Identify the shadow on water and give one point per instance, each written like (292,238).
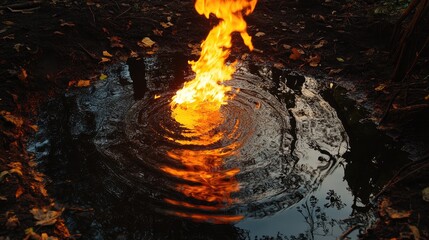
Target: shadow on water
(306,165)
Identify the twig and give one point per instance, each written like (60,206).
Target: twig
(416,58)
(92,13)
(348,231)
(395,179)
(122,13)
(21,5)
(386,112)
(27,10)
(87,52)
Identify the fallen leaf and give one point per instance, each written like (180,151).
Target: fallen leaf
(157,32)
(19,192)
(370,52)
(83,83)
(22,74)
(8,23)
(67,24)
(340,59)
(34,127)
(107,54)
(415,232)
(279,65)
(103,77)
(166,25)
(12,222)
(45,217)
(18,46)
(45,236)
(322,43)
(3,198)
(9,37)
(334,71)
(380,87)
(58,33)
(396,214)
(286,46)
(314,60)
(104,59)
(16,121)
(146,42)
(259,34)
(133,54)
(295,55)
(425,194)
(115,41)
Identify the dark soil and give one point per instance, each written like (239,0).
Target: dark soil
(46,47)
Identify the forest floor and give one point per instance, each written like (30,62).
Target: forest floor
(49,46)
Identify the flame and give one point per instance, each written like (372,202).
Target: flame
(194,104)
(197,108)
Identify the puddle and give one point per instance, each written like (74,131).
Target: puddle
(289,158)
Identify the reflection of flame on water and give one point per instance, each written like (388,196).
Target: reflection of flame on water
(197,108)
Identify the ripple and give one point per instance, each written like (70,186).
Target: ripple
(260,157)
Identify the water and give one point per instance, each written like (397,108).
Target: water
(281,161)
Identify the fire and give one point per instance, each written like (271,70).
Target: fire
(193,106)
(197,108)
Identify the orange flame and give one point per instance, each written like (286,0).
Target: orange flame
(197,108)
(205,94)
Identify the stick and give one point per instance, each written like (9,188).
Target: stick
(122,13)
(386,112)
(87,52)
(21,5)
(347,232)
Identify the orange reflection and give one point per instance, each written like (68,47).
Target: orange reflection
(207,182)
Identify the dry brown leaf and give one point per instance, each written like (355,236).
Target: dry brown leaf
(22,74)
(396,214)
(166,25)
(322,43)
(146,42)
(18,46)
(104,59)
(133,54)
(115,41)
(157,32)
(8,23)
(335,71)
(279,65)
(415,232)
(12,222)
(259,34)
(45,217)
(107,54)
(370,52)
(295,55)
(83,83)
(286,46)
(16,121)
(380,87)
(34,127)
(67,24)
(19,192)
(425,194)
(314,60)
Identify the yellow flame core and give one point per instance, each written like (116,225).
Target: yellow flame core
(197,104)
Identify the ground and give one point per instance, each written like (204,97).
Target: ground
(50,46)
